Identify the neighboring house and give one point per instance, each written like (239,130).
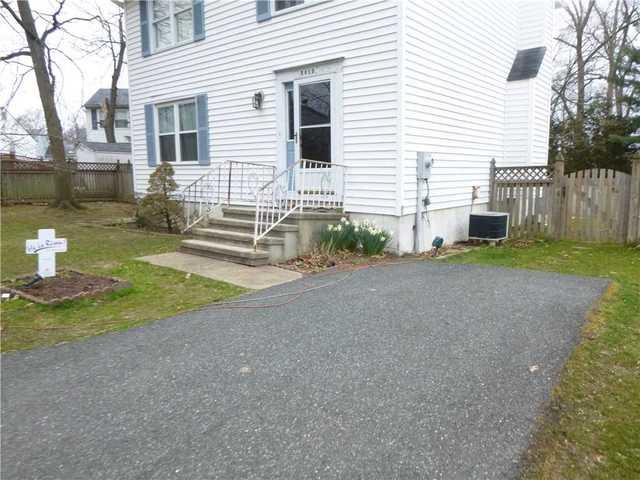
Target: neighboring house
(101,152)
(94,116)
(70,151)
(367,84)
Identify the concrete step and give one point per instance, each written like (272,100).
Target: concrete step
(247,226)
(230,237)
(220,251)
(249,213)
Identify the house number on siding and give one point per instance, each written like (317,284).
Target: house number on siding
(307,71)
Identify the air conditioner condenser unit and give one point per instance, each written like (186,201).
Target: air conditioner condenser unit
(493,226)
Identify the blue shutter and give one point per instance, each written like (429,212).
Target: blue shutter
(263,10)
(198,20)
(151,137)
(203,129)
(145,28)
(94,119)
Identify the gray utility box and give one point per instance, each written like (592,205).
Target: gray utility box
(488,226)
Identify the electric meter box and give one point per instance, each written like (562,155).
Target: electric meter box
(425,162)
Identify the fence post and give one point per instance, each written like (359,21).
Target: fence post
(128,182)
(633,228)
(492,184)
(116,177)
(557,196)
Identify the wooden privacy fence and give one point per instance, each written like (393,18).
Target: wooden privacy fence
(34,181)
(596,205)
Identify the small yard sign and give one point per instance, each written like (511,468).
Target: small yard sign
(46,246)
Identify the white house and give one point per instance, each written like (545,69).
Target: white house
(96,149)
(94,116)
(102,152)
(360,85)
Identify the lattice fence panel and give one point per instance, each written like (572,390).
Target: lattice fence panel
(525,174)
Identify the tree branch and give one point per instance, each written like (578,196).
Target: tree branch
(20,53)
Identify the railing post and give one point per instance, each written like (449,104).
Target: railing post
(229,185)
(492,184)
(633,226)
(255,224)
(302,185)
(219,181)
(557,208)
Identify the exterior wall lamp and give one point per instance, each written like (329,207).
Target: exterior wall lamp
(257,100)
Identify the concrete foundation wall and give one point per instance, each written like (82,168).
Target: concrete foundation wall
(452,224)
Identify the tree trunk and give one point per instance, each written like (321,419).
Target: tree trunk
(109,121)
(580,91)
(63,169)
(118,61)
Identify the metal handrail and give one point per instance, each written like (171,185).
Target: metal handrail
(294,189)
(209,191)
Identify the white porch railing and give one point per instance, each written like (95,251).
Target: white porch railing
(227,183)
(305,184)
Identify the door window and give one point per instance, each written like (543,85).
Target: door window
(315,122)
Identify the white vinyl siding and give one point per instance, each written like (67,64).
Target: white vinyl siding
(528,101)
(457,58)
(416,75)
(239,56)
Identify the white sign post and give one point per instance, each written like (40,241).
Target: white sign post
(46,246)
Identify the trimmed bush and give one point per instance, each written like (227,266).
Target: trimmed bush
(158,210)
(354,236)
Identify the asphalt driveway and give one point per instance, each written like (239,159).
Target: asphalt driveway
(420,370)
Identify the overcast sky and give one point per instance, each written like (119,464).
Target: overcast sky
(79,78)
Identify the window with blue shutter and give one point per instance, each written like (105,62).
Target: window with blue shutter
(168,24)
(202,105)
(181,134)
(149,115)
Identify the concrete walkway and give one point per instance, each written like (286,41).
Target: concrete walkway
(255,278)
(414,371)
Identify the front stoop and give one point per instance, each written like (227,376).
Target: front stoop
(230,237)
(231,253)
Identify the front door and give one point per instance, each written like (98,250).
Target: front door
(311,126)
(312,122)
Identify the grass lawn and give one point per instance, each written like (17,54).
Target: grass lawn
(592,429)
(155,293)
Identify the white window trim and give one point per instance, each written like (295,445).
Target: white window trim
(285,11)
(176,130)
(172,23)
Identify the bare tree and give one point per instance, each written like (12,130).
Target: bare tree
(614,32)
(580,15)
(42,62)
(32,121)
(115,41)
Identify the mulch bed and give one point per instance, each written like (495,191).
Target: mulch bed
(318,261)
(67,285)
